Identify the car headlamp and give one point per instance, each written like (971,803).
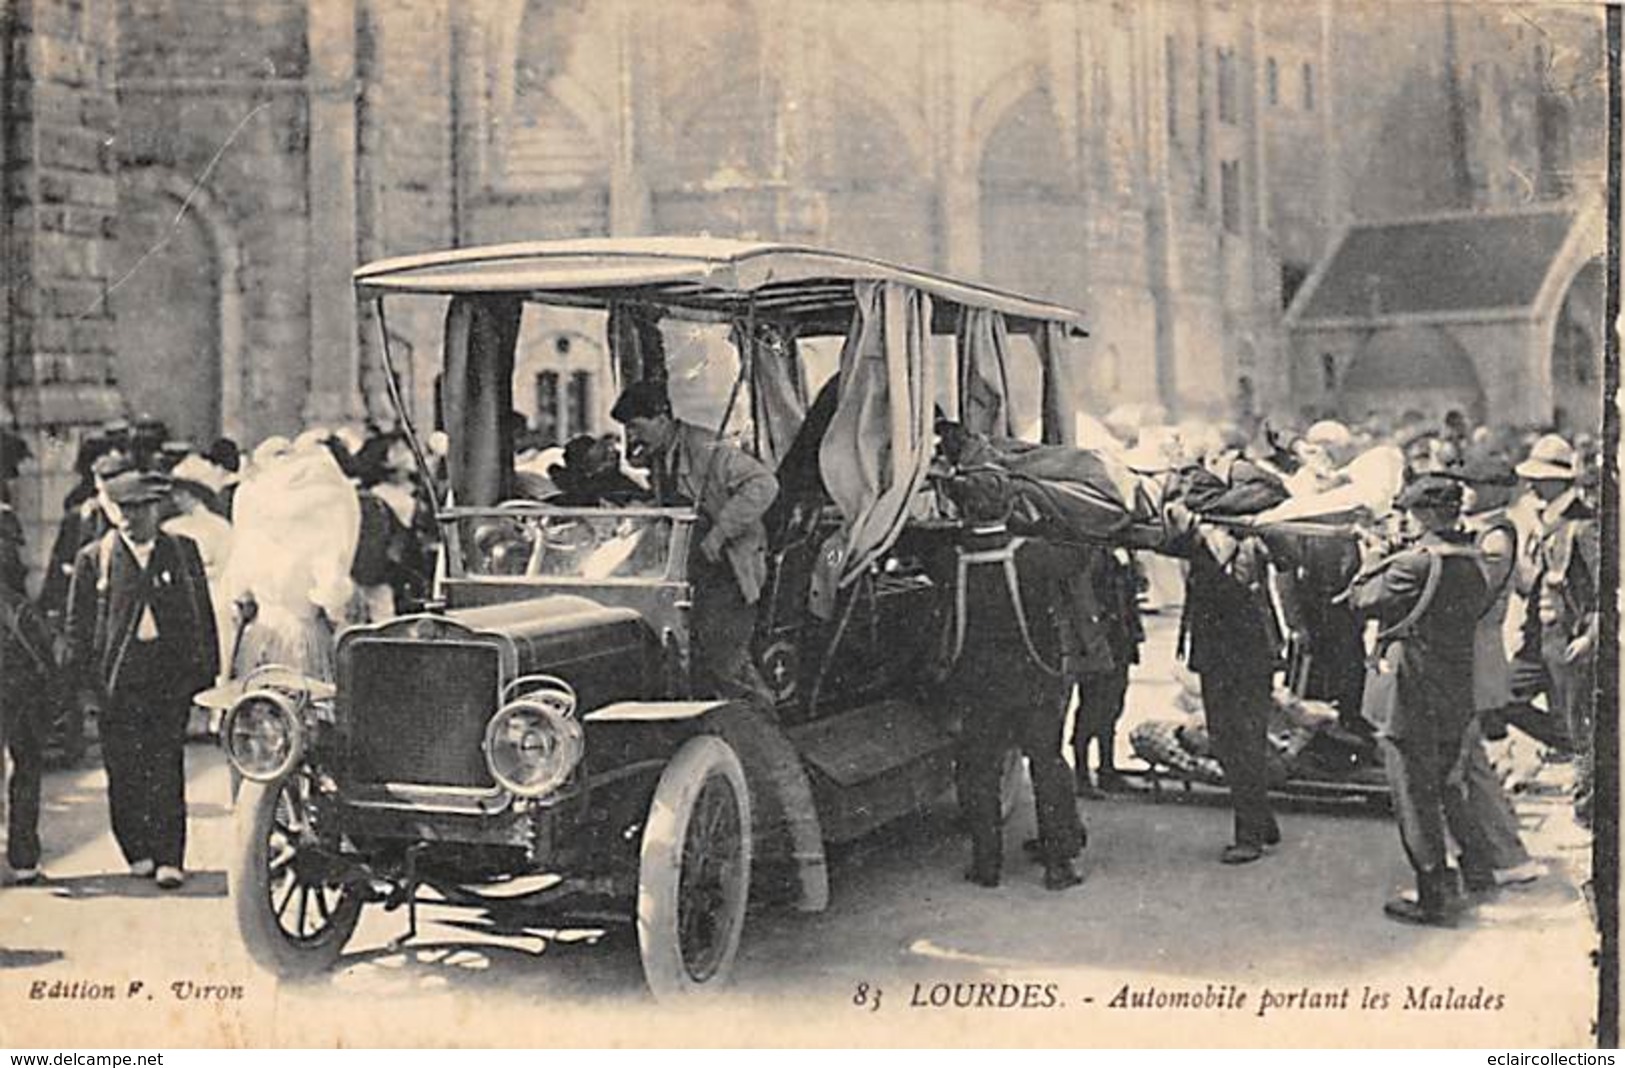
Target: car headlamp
(534,742)
(263,734)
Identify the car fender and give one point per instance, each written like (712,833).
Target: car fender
(789,838)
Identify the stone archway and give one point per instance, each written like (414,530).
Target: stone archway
(178,303)
(1033,228)
(1575,353)
(1411,368)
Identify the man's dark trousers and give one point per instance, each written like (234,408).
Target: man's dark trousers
(25,740)
(1430,797)
(143,732)
(1101,695)
(1236,700)
(1035,726)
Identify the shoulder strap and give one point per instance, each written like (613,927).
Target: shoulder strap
(1429,588)
(1507,527)
(1005,557)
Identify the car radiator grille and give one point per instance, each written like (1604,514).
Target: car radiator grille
(416,711)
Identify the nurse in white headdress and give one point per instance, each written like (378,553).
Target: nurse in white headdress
(297,520)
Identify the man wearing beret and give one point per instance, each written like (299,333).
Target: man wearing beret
(1427,598)
(732,492)
(141,641)
(1559,575)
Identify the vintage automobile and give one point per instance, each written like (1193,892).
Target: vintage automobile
(534,747)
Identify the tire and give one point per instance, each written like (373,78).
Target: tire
(274,912)
(694,871)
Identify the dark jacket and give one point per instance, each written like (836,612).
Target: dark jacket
(1564,593)
(994,655)
(1230,621)
(1105,611)
(105,601)
(1434,656)
(27,666)
(1230,617)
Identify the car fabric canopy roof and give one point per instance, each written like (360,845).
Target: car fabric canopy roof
(709,275)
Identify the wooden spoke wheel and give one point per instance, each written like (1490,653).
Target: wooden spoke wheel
(294,909)
(694,871)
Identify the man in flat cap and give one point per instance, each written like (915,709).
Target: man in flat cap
(141,642)
(1231,636)
(1426,598)
(732,492)
(1559,575)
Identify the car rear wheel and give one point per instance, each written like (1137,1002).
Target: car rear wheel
(294,909)
(694,871)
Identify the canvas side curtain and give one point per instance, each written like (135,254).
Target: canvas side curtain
(875,453)
(1060,398)
(779,391)
(477,395)
(634,339)
(984,390)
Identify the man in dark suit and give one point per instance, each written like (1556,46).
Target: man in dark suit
(27,678)
(141,636)
(1427,598)
(1231,636)
(27,686)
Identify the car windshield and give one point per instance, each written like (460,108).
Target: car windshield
(588,545)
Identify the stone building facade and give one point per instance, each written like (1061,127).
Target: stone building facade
(190,182)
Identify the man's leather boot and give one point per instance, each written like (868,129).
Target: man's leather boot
(1437,902)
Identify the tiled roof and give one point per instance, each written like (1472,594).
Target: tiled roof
(1453,264)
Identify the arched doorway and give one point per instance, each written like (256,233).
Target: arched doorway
(1576,356)
(1033,225)
(1416,368)
(170,307)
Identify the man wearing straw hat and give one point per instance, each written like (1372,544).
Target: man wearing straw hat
(1559,576)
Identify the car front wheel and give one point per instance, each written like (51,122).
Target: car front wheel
(294,910)
(694,870)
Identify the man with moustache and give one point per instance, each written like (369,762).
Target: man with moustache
(732,492)
(141,641)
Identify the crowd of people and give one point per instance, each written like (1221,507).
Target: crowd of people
(1472,550)
(1474,555)
(175,567)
